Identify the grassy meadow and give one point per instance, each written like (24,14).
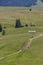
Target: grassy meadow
(14,38)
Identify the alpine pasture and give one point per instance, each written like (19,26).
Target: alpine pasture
(14,38)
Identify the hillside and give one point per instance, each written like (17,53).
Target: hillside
(14,38)
(26,3)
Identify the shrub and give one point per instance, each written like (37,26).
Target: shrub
(4,27)
(32,25)
(26,25)
(30,9)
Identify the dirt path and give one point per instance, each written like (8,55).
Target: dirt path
(23,47)
(10,55)
(35,38)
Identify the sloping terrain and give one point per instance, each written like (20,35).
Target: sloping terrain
(17,2)
(15,37)
(26,3)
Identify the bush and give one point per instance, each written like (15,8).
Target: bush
(32,25)
(26,25)
(4,27)
(0,28)
(30,9)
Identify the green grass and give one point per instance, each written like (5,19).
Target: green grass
(14,38)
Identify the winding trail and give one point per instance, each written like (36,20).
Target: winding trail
(11,54)
(35,38)
(21,49)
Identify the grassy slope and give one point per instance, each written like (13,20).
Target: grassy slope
(14,38)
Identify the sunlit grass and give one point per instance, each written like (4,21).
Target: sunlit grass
(15,37)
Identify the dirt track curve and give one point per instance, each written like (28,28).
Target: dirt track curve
(23,48)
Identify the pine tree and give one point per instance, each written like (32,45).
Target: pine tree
(0,28)
(18,23)
(3,32)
